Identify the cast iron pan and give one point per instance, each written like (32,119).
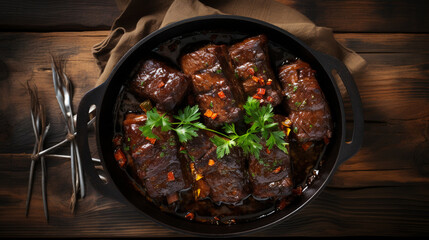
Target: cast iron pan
(104,97)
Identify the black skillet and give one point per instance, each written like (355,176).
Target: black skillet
(105,97)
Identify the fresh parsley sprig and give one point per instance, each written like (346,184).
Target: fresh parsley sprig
(262,124)
(186,128)
(260,119)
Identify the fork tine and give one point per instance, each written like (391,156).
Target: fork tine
(30,187)
(44,196)
(43,163)
(32,91)
(67,89)
(59,91)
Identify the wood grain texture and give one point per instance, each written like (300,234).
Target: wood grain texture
(51,15)
(381,191)
(380,16)
(392,16)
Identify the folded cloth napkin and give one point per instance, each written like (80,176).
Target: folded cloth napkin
(141,17)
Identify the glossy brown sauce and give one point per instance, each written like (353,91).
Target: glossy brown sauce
(304,163)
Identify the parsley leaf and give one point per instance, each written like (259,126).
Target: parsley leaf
(276,138)
(156,120)
(186,132)
(249,142)
(223,145)
(147,131)
(189,114)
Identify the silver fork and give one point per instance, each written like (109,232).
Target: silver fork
(63,90)
(38,120)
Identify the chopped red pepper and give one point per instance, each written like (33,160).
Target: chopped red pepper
(269,99)
(268,151)
(256,96)
(170,176)
(151,140)
(256,79)
(269,81)
(261,91)
(214,116)
(190,216)
(221,94)
(261,81)
(161,84)
(120,157)
(181,148)
(211,162)
(208,113)
(277,169)
(251,71)
(117,141)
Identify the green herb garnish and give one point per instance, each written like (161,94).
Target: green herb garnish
(295,88)
(260,119)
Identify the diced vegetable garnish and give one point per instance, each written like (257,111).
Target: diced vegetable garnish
(208,113)
(151,140)
(170,176)
(211,162)
(120,157)
(221,94)
(277,170)
(190,216)
(251,71)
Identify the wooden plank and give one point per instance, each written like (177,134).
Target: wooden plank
(26,56)
(379,16)
(394,86)
(48,15)
(395,16)
(385,42)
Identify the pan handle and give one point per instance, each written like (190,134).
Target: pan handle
(92,97)
(349,148)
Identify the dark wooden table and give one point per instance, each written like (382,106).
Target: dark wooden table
(381,191)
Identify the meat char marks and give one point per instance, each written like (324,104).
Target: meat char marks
(304,100)
(160,83)
(253,68)
(155,161)
(214,84)
(271,175)
(223,180)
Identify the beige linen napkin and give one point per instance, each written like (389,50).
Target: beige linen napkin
(141,17)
